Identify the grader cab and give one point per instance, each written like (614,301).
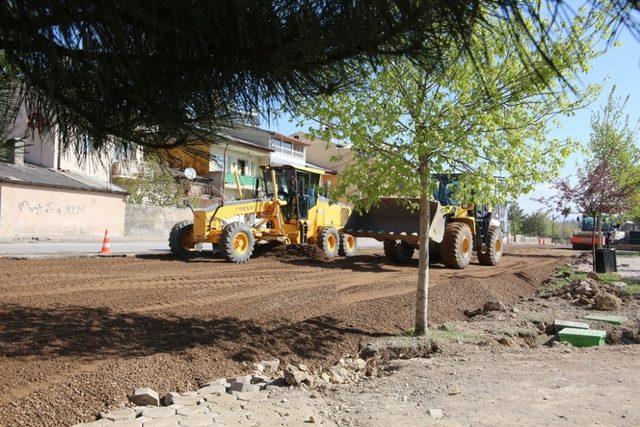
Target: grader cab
(287,207)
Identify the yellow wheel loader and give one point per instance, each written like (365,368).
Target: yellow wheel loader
(286,207)
(455,230)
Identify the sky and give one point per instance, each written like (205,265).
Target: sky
(620,66)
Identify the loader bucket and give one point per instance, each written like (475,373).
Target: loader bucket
(393,219)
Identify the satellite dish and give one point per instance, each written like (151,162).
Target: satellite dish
(190,173)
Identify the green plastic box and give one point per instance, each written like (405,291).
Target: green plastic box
(616,320)
(582,337)
(562,324)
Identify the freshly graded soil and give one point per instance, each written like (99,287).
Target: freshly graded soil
(76,335)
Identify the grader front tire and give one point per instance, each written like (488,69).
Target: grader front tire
(457,246)
(237,242)
(181,240)
(348,245)
(329,241)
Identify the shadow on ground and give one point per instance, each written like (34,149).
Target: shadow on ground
(100,333)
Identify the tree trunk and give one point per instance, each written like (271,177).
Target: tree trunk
(423,252)
(593,245)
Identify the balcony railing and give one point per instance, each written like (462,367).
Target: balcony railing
(288,151)
(245,180)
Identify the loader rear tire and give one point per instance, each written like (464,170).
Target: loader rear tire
(348,245)
(329,241)
(398,252)
(181,240)
(237,242)
(495,246)
(457,245)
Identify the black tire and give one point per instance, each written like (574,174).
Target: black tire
(457,245)
(495,246)
(329,241)
(348,244)
(398,253)
(390,250)
(180,240)
(237,242)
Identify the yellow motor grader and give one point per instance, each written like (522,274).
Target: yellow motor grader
(286,207)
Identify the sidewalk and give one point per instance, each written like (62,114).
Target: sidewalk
(87,246)
(51,249)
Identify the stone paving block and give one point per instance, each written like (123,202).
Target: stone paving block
(159,412)
(243,379)
(126,423)
(168,398)
(213,389)
(119,414)
(231,418)
(188,400)
(238,386)
(145,396)
(163,422)
(219,381)
(197,420)
(250,396)
(98,423)
(192,410)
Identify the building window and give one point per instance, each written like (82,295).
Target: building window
(242,167)
(218,162)
(288,148)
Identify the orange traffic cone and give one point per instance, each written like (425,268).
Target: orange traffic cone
(106,244)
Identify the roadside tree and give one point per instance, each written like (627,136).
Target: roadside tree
(485,112)
(596,194)
(536,224)
(155,72)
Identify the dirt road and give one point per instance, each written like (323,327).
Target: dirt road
(77,334)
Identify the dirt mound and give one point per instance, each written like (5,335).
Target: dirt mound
(592,293)
(288,252)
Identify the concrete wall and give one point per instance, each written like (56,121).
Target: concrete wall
(153,221)
(33,211)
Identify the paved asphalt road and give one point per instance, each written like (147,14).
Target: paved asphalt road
(84,248)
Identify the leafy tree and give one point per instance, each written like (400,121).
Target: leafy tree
(516,216)
(536,224)
(484,113)
(614,138)
(154,72)
(597,193)
(9,110)
(155,185)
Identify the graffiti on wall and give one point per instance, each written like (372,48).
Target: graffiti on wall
(50,208)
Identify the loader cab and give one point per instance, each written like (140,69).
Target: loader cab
(297,187)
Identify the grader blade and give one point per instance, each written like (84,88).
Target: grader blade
(395,219)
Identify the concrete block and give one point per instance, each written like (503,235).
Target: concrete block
(213,389)
(197,420)
(243,387)
(250,396)
(242,379)
(160,412)
(126,423)
(231,418)
(119,414)
(145,396)
(559,325)
(168,398)
(164,422)
(188,400)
